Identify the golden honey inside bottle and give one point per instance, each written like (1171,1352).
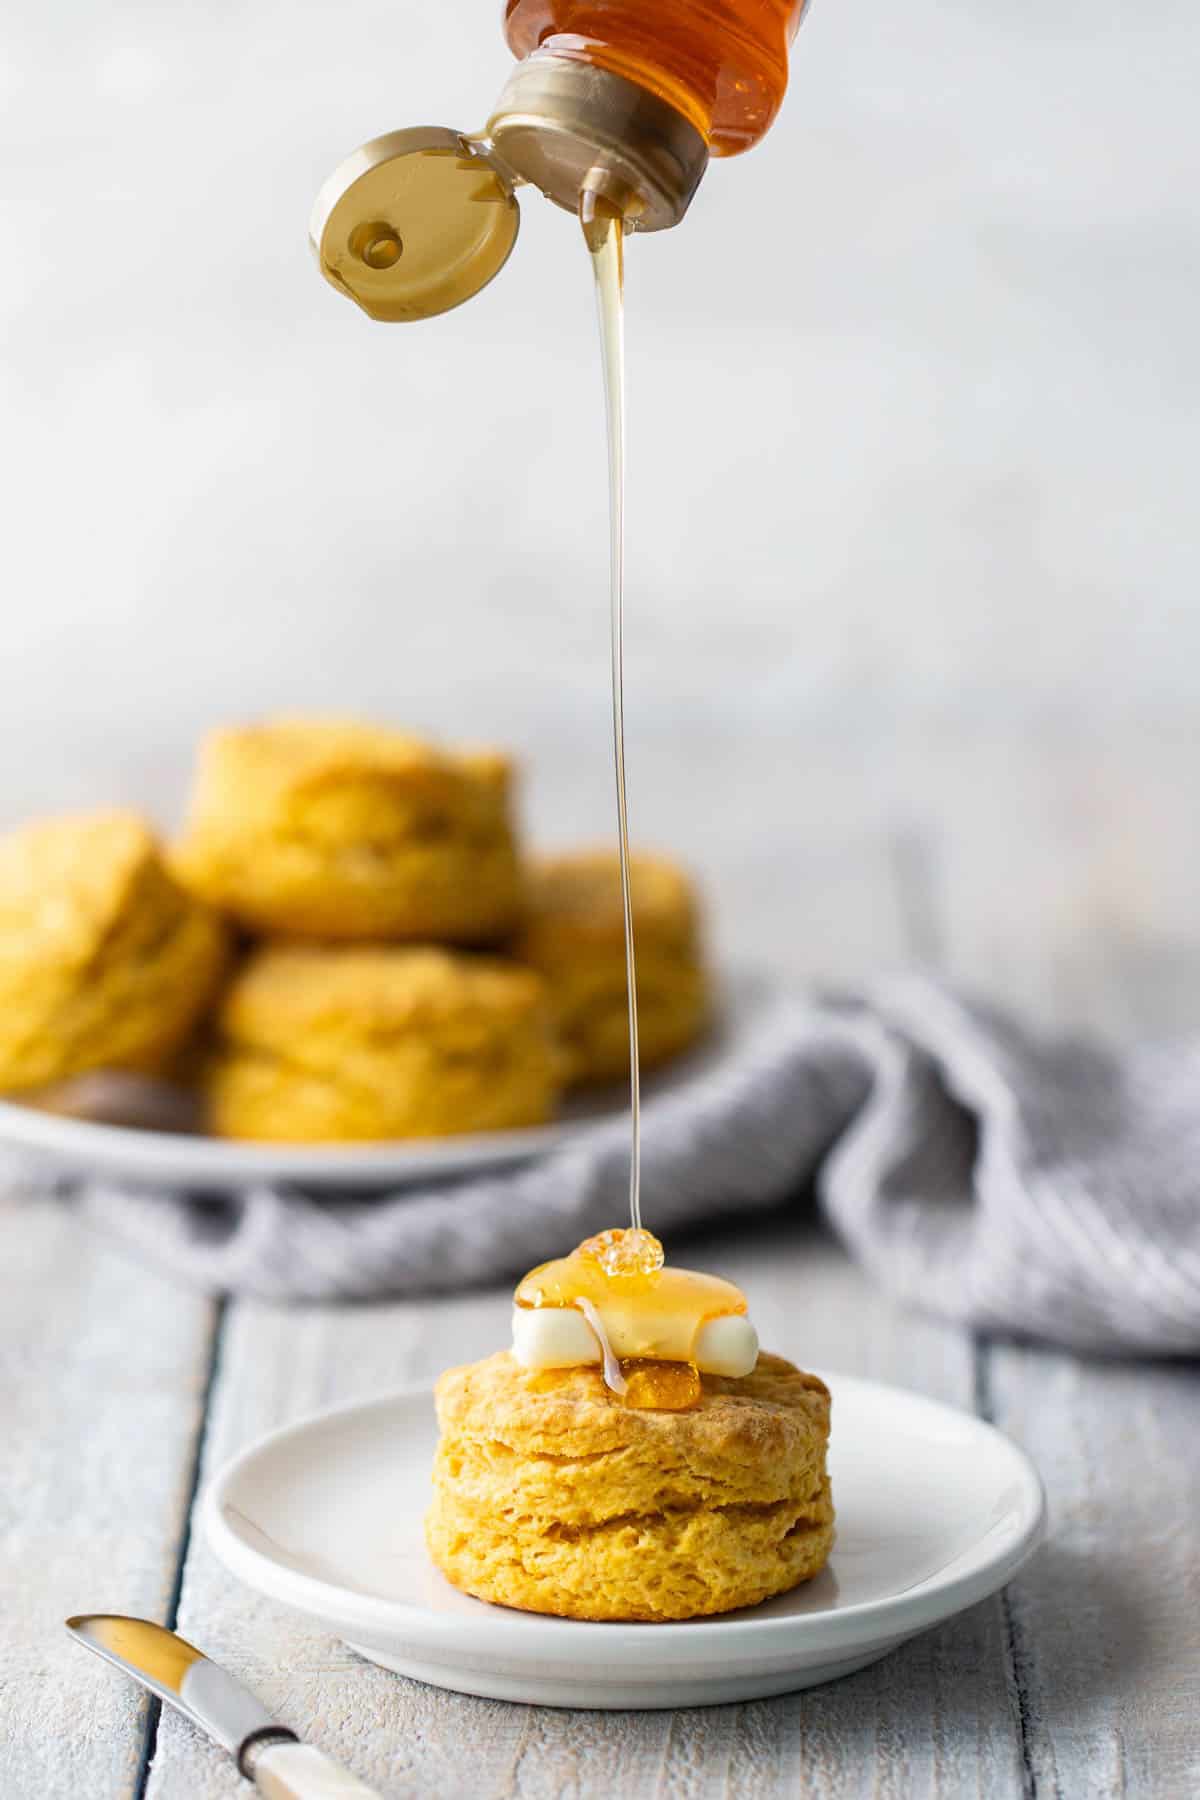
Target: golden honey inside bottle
(722,64)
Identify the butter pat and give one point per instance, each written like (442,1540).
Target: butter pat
(559,1337)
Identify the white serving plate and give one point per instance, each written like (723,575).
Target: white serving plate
(103,1148)
(180,1159)
(935,1510)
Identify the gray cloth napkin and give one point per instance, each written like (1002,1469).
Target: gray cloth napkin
(1049,1189)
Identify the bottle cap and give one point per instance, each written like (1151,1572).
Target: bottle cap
(414,223)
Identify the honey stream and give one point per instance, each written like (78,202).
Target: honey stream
(604,234)
(618,1275)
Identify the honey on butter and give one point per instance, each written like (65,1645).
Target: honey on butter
(653,1329)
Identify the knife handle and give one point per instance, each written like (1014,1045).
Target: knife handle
(300,1772)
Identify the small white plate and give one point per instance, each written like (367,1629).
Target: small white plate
(113,1143)
(934,1510)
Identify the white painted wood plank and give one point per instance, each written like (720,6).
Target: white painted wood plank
(1093,923)
(1106,1622)
(102,1372)
(934,1719)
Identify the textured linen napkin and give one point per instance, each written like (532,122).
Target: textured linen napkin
(1049,1189)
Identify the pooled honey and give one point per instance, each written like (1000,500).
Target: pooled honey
(653,1312)
(624,1272)
(660,1386)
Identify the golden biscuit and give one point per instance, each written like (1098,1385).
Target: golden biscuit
(325,828)
(553,1496)
(321,1043)
(575,935)
(105,962)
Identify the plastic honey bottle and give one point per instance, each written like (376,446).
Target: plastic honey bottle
(627,99)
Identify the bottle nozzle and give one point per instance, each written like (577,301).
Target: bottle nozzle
(564,125)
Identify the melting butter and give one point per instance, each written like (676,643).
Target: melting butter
(617,1298)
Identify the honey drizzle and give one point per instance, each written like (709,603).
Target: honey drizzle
(604,1279)
(614,1375)
(604,233)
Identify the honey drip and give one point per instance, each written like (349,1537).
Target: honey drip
(660,1386)
(624,1254)
(604,233)
(638,1287)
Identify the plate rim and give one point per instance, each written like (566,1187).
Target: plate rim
(938,1596)
(141,1154)
(74,1148)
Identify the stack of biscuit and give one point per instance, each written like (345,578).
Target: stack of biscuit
(345,944)
(550,1497)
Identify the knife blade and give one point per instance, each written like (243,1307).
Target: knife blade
(269,1754)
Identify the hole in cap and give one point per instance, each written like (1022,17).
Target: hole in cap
(377,245)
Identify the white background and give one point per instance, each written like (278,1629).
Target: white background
(913,415)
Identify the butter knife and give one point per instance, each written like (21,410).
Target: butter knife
(269,1755)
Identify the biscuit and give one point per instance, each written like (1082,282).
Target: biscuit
(105,962)
(552,1496)
(323,1043)
(574,934)
(325,828)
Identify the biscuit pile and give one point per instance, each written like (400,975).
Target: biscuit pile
(345,943)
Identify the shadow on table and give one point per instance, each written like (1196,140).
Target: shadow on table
(1002,1664)
(984,1691)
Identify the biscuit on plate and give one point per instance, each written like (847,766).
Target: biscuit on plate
(574,933)
(553,1496)
(105,962)
(331,829)
(319,1043)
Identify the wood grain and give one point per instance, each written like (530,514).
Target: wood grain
(1105,1624)
(102,1376)
(1103,1629)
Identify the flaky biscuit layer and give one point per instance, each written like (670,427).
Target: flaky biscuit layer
(552,1496)
(328,1043)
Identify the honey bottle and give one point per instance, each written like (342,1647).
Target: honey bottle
(720,64)
(627,99)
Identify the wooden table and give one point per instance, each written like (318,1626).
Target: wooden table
(1060,874)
